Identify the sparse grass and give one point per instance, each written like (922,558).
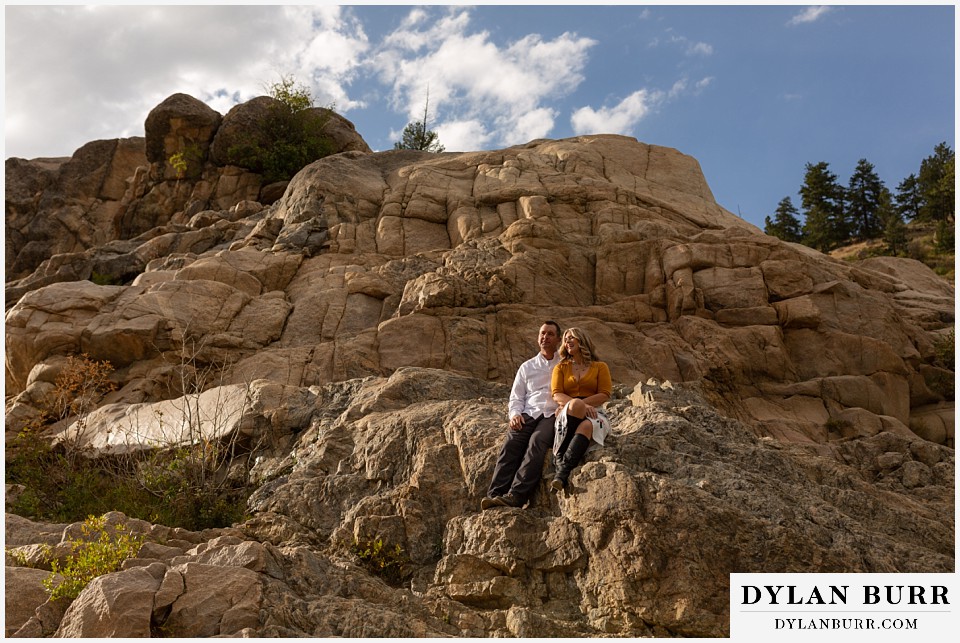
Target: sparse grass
(924,244)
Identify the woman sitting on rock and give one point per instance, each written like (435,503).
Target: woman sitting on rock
(580,384)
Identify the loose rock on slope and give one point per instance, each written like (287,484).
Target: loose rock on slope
(624,552)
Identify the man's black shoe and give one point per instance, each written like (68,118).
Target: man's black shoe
(508,500)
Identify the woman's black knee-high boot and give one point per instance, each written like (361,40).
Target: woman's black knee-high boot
(571,458)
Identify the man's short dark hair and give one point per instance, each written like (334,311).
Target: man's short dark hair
(550,322)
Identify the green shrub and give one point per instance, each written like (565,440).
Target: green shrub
(385,561)
(288,138)
(188,162)
(19,557)
(179,164)
(944,350)
(63,489)
(188,485)
(183,487)
(837,425)
(100,550)
(103,279)
(54,477)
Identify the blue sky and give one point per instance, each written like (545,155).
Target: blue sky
(752,92)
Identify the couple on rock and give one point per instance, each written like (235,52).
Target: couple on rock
(555,399)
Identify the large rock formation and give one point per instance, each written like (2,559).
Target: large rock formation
(179,124)
(371,262)
(61,206)
(63,214)
(365,327)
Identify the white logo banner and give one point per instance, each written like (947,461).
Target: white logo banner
(843,607)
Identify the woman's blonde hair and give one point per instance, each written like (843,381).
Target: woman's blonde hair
(587,351)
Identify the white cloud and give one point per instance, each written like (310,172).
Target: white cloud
(678,88)
(76,74)
(619,119)
(532,125)
(464,136)
(690,47)
(473,80)
(700,49)
(809,14)
(628,113)
(702,84)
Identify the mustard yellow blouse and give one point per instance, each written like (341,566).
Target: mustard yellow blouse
(595,380)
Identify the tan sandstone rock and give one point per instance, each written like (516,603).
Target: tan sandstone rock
(67,206)
(181,124)
(114,605)
(658,270)
(23,594)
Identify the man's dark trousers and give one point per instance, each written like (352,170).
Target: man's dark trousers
(520,462)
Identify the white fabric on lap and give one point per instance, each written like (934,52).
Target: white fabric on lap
(601,427)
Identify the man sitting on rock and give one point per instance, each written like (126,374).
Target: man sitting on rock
(531,411)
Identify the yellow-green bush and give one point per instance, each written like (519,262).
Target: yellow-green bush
(386,561)
(101,549)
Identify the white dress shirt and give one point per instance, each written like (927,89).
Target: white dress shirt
(531,387)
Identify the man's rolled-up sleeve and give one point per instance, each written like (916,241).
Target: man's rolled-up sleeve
(518,394)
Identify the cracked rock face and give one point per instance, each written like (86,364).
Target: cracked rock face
(373,262)
(367,325)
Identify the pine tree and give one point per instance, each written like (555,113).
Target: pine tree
(944,237)
(936,185)
(948,189)
(863,201)
(785,224)
(894,229)
(416,135)
(822,198)
(908,199)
